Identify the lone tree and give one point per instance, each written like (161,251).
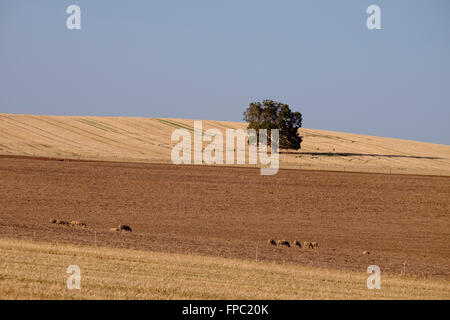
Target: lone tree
(275,115)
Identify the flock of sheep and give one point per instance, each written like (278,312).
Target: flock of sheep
(121,227)
(67,223)
(124,227)
(285,243)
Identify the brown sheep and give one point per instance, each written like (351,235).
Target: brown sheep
(52,221)
(308,244)
(124,227)
(284,243)
(297,243)
(314,244)
(272,242)
(78,224)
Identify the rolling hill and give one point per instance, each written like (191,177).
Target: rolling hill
(148,140)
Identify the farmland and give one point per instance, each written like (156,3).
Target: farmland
(228,212)
(198,230)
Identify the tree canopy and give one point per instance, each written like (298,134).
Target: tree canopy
(275,115)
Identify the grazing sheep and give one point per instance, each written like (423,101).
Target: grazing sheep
(62,222)
(124,227)
(283,243)
(297,243)
(366,252)
(311,245)
(78,224)
(272,242)
(114,229)
(52,221)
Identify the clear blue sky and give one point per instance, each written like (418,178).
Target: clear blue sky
(209,59)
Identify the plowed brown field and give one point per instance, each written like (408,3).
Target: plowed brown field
(228,212)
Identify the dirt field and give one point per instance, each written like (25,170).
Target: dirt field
(228,212)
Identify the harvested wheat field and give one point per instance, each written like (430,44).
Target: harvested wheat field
(32,270)
(149,140)
(228,212)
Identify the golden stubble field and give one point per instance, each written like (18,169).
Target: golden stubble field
(148,140)
(32,270)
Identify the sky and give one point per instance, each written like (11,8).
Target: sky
(209,59)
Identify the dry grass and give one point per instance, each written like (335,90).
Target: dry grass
(148,140)
(38,271)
